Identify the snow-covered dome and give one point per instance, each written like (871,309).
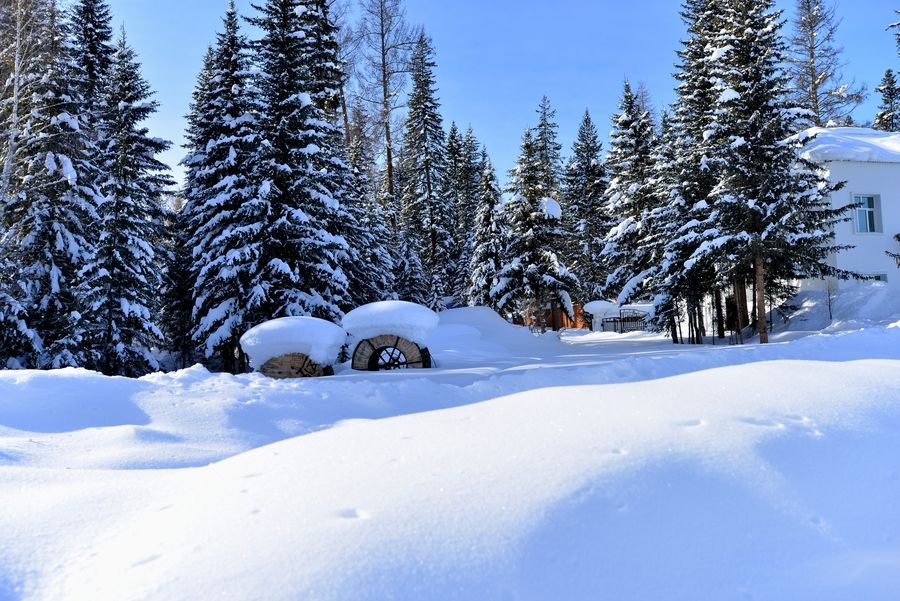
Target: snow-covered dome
(601,308)
(318,339)
(407,320)
(857,144)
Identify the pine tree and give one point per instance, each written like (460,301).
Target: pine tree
(773,209)
(464,166)
(93,51)
(427,214)
(629,201)
(121,282)
(888,117)
(50,207)
(410,281)
(532,277)
(814,64)
(176,308)
(548,149)
(583,213)
(225,217)
(487,242)
(370,273)
(687,167)
(299,255)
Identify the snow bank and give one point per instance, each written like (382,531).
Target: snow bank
(857,144)
(318,339)
(408,320)
(601,308)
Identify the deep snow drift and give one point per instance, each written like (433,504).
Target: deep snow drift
(592,467)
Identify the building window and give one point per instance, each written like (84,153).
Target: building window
(880,277)
(868,214)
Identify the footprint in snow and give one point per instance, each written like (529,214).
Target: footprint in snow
(764,423)
(619,452)
(692,423)
(355,514)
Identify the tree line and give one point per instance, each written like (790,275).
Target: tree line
(315,183)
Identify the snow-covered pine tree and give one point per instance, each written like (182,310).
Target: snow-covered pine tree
(122,281)
(487,242)
(177,298)
(410,281)
(533,279)
(888,117)
(773,209)
(815,63)
(464,167)
(427,213)
(548,149)
(686,171)
(629,201)
(93,53)
(225,216)
(583,215)
(371,272)
(50,208)
(299,263)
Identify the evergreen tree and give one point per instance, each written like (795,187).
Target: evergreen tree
(300,259)
(586,221)
(548,149)
(814,64)
(427,214)
(225,219)
(533,278)
(50,206)
(773,209)
(176,308)
(121,282)
(93,53)
(370,273)
(888,117)
(410,281)
(629,201)
(464,166)
(487,242)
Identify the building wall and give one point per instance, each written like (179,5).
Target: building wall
(868,257)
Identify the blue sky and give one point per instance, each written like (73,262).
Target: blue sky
(497,58)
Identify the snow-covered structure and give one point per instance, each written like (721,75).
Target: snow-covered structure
(294,346)
(869,162)
(390,335)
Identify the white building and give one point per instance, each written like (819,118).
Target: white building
(869,162)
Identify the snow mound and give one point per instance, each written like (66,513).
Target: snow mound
(409,320)
(318,339)
(857,144)
(601,308)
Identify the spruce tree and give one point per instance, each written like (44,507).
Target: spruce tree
(300,259)
(773,210)
(548,149)
(177,298)
(888,117)
(225,218)
(629,201)
(427,214)
(487,242)
(93,52)
(410,281)
(533,278)
(122,280)
(583,213)
(51,205)
(464,166)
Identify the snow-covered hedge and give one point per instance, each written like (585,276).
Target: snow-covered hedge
(407,320)
(318,339)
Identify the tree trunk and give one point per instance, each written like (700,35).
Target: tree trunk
(673,328)
(740,297)
(760,269)
(720,314)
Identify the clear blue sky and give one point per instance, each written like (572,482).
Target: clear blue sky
(496,58)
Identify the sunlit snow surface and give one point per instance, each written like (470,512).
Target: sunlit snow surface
(591,467)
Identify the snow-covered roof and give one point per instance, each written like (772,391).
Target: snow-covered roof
(855,144)
(400,318)
(318,339)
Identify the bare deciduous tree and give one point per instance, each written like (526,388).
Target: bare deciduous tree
(815,64)
(386,41)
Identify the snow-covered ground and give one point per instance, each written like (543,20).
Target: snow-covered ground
(594,466)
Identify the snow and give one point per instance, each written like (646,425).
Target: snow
(551,208)
(598,466)
(601,308)
(856,144)
(408,320)
(318,339)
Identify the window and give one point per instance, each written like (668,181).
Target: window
(868,214)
